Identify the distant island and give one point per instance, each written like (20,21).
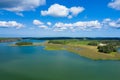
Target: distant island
(9,39)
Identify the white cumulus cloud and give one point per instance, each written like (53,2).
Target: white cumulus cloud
(87,24)
(115,24)
(37,22)
(49,23)
(18,6)
(9,24)
(106,20)
(115,4)
(40,24)
(58,10)
(80,25)
(111,23)
(76,10)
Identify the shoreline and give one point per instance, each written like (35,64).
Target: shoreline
(84,51)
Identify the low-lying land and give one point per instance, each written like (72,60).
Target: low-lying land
(93,49)
(87,48)
(9,39)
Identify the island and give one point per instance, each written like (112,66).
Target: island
(23,43)
(92,49)
(26,43)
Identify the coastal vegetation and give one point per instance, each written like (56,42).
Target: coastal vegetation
(95,43)
(9,39)
(110,46)
(23,43)
(93,49)
(107,49)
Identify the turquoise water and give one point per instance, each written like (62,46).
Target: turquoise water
(35,63)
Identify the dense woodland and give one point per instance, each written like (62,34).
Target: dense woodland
(107,49)
(111,46)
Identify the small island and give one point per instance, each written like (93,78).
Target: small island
(92,49)
(23,43)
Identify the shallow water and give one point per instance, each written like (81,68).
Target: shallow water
(118,50)
(35,63)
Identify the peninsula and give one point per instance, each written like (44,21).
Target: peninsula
(92,49)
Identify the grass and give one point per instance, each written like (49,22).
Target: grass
(55,47)
(84,50)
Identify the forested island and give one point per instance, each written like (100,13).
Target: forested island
(23,43)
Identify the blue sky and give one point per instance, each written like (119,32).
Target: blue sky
(60,18)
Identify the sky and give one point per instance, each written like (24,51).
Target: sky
(59,18)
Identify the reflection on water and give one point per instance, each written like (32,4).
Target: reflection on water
(35,63)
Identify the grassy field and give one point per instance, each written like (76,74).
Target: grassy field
(81,48)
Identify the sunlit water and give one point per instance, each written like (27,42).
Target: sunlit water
(35,63)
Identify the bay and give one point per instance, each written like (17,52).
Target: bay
(36,63)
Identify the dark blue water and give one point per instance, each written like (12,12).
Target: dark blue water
(35,63)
